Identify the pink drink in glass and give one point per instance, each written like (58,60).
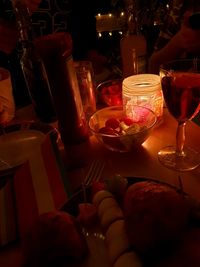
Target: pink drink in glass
(182,94)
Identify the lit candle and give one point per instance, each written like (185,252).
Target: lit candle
(143,90)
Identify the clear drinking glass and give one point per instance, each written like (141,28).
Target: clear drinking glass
(180,81)
(86,82)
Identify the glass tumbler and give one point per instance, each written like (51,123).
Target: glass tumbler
(86,82)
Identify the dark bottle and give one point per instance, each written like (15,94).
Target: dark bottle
(33,68)
(56,52)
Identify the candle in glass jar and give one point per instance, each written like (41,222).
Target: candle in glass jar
(143,90)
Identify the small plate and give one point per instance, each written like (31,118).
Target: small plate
(94,238)
(18,141)
(71,205)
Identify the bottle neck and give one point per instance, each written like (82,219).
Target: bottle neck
(23,20)
(132,23)
(132,27)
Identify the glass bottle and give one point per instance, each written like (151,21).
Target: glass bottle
(32,66)
(56,52)
(133,45)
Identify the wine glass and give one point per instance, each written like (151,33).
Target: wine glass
(180,81)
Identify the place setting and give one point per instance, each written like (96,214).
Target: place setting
(155,221)
(78,227)
(120,221)
(102,167)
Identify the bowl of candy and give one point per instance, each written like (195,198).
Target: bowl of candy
(122,130)
(109,93)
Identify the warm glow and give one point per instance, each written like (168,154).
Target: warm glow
(110,15)
(110,33)
(147,145)
(99,34)
(143,90)
(99,15)
(122,14)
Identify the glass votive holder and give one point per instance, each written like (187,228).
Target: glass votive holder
(143,90)
(109,93)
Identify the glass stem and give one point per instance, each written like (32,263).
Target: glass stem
(180,139)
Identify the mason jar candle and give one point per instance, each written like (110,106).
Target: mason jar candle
(143,90)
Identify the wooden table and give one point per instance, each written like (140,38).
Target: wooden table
(144,161)
(141,162)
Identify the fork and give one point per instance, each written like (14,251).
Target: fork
(94,173)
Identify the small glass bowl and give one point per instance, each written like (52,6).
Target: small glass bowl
(118,132)
(109,93)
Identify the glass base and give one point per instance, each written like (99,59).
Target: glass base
(189,161)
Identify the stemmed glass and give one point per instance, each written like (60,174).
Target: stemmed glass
(180,81)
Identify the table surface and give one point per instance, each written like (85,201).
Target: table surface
(142,162)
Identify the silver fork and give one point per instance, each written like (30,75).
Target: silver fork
(94,173)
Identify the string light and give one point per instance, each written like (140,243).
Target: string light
(109,24)
(110,34)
